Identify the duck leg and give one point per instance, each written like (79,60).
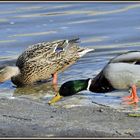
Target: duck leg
(129,96)
(54,82)
(57,96)
(134,97)
(54,78)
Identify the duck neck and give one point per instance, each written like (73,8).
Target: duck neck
(80,85)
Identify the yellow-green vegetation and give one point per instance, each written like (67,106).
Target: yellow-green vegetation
(133,115)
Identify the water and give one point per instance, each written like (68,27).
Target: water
(110,28)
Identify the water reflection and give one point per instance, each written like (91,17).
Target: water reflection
(36,92)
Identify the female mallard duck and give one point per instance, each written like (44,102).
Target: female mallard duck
(43,60)
(122,72)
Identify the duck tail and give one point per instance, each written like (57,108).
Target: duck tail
(84,51)
(75,40)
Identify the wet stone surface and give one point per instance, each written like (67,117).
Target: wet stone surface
(26,118)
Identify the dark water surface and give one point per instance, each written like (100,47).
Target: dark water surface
(109,28)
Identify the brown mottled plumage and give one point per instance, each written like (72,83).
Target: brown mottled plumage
(42,60)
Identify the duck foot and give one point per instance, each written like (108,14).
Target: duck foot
(133,97)
(134,101)
(127,97)
(130,100)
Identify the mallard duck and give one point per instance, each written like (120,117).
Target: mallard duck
(121,72)
(43,60)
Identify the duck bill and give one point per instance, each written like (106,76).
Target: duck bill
(55,99)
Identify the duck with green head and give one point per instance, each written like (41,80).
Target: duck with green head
(122,72)
(42,61)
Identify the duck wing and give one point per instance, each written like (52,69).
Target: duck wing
(49,51)
(64,45)
(132,57)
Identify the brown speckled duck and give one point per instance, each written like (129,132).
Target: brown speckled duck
(43,60)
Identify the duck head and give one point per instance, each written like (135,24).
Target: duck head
(70,88)
(7,72)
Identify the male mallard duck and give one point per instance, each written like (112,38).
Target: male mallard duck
(43,60)
(122,72)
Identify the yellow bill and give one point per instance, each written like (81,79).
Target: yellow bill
(56,98)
